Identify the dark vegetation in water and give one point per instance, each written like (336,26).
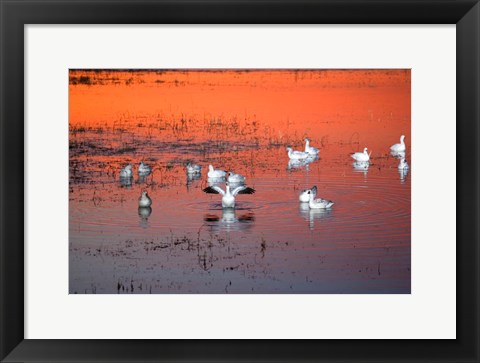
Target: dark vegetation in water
(207,251)
(81,80)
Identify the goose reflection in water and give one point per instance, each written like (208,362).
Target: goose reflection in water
(311,215)
(191,178)
(230,220)
(397,154)
(298,164)
(126,182)
(403,174)
(361,166)
(142,178)
(144,213)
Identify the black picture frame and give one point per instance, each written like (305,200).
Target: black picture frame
(15,14)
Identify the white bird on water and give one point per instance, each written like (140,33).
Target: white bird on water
(310,149)
(403,164)
(297,155)
(212,173)
(193,168)
(126,172)
(144,200)
(235,178)
(398,148)
(319,203)
(143,169)
(228,197)
(305,194)
(365,156)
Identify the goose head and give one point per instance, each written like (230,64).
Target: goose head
(144,193)
(128,167)
(289,149)
(365,151)
(402,138)
(210,167)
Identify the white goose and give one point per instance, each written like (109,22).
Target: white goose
(143,169)
(319,203)
(296,155)
(403,164)
(126,172)
(305,194)
(212,173)
(358,156)
(235,178)
(398,148)
(310,149)
(144,200)
(193,168)
(228,197)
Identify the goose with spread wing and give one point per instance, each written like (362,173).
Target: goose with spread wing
(228,196)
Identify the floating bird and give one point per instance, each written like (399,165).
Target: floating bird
(144,200)
(397,148)
(212,173)
(228,199)
(403,164)
(193,168)
(319,203)
(235,178)
(305,194)
(362,156)
(143,169)
(310,149)
(296,155)
(126,172)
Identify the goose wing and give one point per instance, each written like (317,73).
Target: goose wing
(214,190)
(242,190)
(325,202)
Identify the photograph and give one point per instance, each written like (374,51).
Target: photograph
(239,181)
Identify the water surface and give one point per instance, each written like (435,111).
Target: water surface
(240,121)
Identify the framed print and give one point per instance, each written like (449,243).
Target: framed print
(239,181)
